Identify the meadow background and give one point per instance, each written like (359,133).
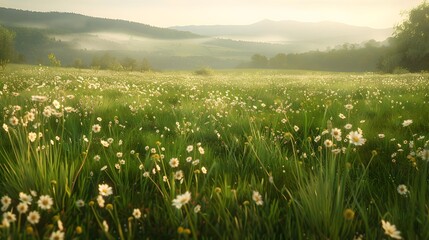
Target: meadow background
(211,154)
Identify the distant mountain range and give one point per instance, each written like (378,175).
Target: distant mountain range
(318,35)
(180,46)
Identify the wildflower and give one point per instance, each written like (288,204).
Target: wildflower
(174,162)
(341,116)
(402,189)
(381,135)
(38,98)
(105,226)
(390,230)
(103,168)
(13,121)
(79,230)
(189,148)
(97,158)
(5,201)
(104,143)
(31,116)
(22,208)
(5,127)
(203,170)
(9,216)
(328,143)
(47,111)
(57,235)
(178,175)
(256,196)
(197,208)
(56,104)
(348,106)
(424,154)
(80,203)
(349,214)
(348,126)
(69,109)
(407,123)
(317,138)
(33,217)
(96,128)
(4,223)
(146,174)
(32,136)
(105,190)
(136,213)
(60,225)
(201,150)
(119,154)
(296,128)
(100,201)
(356,138)
(336,151)
(336,133)
(196,162)
(25,198)
(45,202)
(358,237)
(109,207)
(181,200)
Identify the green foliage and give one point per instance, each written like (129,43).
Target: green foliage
(53,60)
(7,50)
(145,65)
(106,61)
(259,61)
(255,150)
(347,58)
(205,71)
(129,64)
(410,43)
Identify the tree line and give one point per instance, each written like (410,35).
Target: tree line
(345,58)
(26,45)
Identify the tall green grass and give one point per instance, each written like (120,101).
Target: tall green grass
(254,149)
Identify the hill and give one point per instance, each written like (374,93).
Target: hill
(78,38)
(72,23)
(303,36)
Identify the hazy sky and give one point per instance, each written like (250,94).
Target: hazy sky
(165,13)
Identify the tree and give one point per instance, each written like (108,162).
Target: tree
(129,64)
(6,46)
(410,43)
(106,61)
(145,66)
(259,61)
(78,63)
(279,61)
(53,60)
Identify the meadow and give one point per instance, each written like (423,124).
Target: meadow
(234,154)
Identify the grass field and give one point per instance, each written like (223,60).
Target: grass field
(240,154)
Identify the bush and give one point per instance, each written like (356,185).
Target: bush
(206,71)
